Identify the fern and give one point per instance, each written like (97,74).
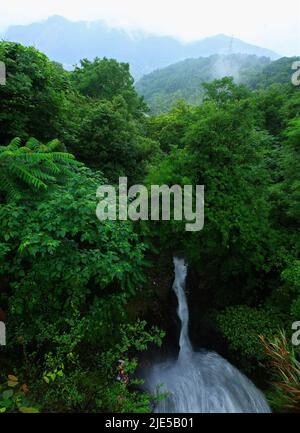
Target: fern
(33,165)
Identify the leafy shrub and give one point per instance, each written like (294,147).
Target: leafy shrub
(13,396)
(241,326)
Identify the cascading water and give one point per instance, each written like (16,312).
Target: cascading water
(201,382)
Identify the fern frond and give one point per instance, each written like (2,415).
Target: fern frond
(8,187)
(33,144)
(40,174)
(34,165)
(52,145)
(15,143)
(53,168)
(27,177)
(63,156)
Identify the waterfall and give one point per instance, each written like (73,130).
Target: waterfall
(183,310)
(201,382)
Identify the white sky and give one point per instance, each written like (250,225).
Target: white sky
(273,24)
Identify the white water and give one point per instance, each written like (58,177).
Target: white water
(201,382)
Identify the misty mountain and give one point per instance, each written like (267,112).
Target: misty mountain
(276,72)
(67,42)
(183,80)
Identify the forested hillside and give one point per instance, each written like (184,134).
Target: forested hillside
(183,81)
(78,294)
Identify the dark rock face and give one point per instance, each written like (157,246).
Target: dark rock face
(163,312)
(2,315)
(203,332)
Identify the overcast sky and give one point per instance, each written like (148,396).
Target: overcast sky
(267,23)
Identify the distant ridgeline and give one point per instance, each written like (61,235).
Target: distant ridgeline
(183,80)
(67,42)
(165,68)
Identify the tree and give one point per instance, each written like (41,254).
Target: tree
(33,101)
(109,139)
(224,151)
(224,91)
(285,192)
(105,79)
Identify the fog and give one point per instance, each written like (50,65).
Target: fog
(273,25)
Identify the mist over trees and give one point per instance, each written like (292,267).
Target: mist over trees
(184,80)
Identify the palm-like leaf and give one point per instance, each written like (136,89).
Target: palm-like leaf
(34,165)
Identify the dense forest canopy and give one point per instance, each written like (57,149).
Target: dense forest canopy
(77,293)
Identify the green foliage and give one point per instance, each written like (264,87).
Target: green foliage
(291,287)
(276,72)
(33,101)
(168,129)
(69,282)
(271,102)
(184,80)
(80,274)
(224,91)
(243,146)
(52,376)
(88,383)
(285,192)
(66,277)
(13,397)
(291,166)
(32,165)
(104,79)
(67,251)
(291,275)
(221,147)
(94,111)
(133,337)
(241,326)
(110,139)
